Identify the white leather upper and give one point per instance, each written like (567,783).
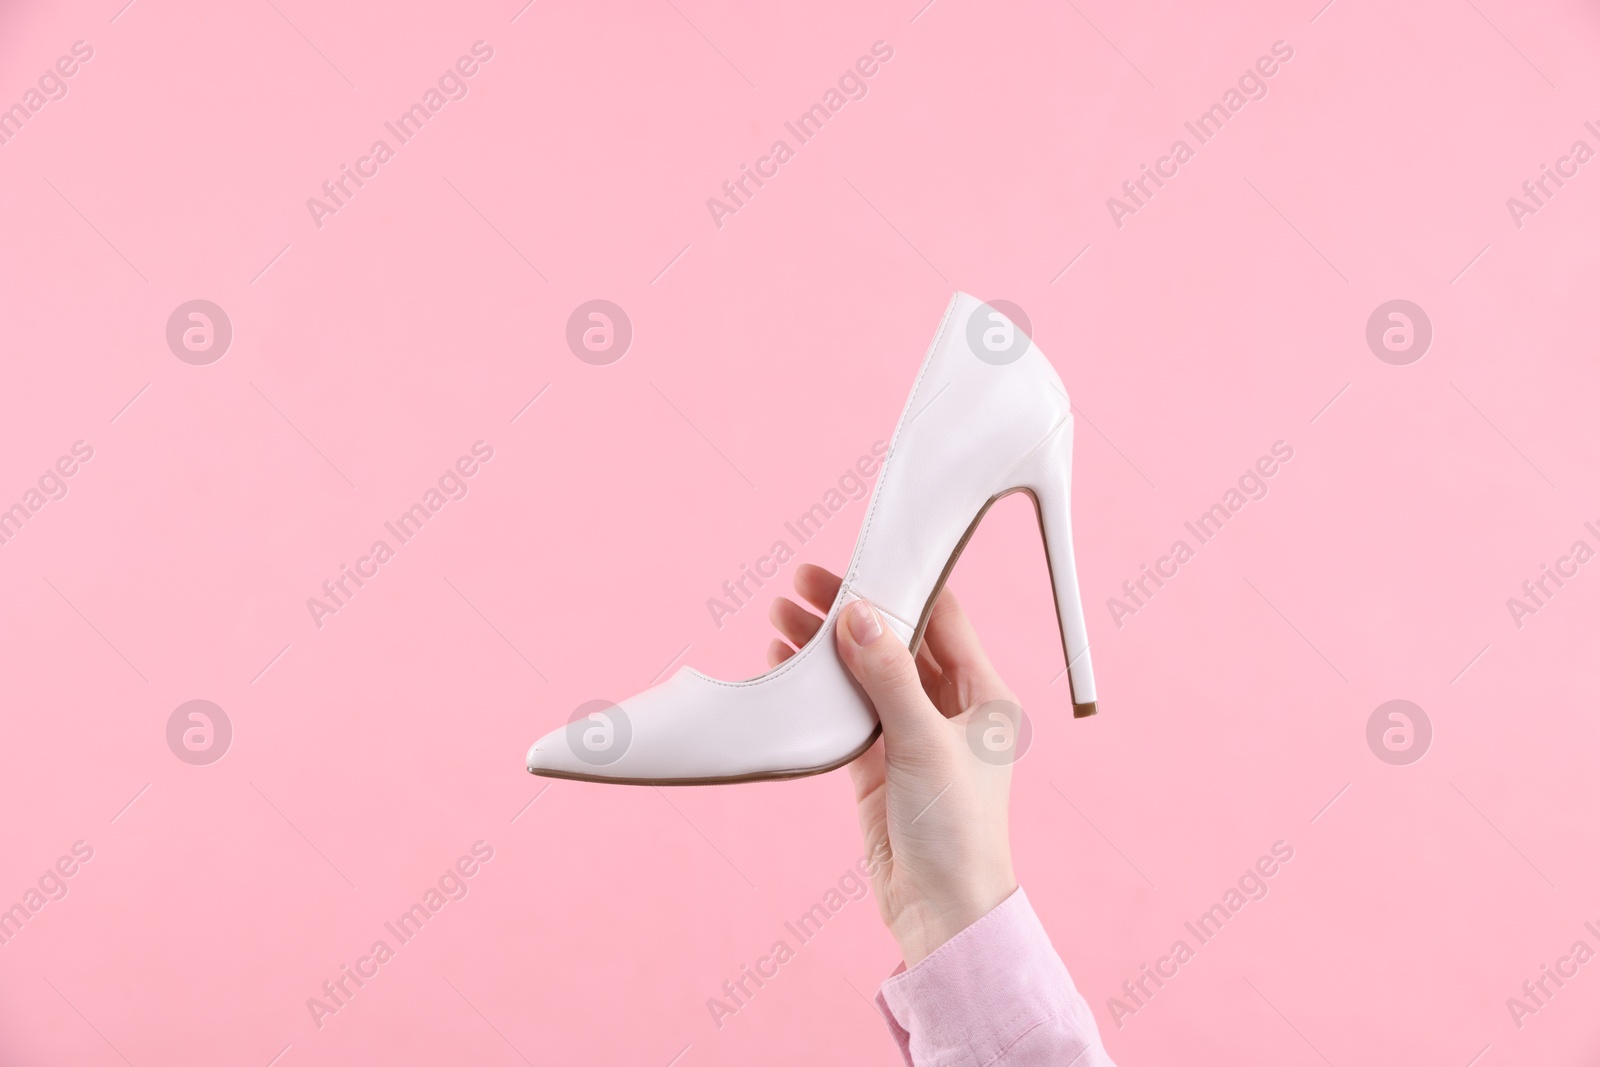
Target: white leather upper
(970,429)
(966,428)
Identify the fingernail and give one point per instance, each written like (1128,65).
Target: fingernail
(864,623)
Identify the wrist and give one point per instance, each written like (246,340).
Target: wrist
(920,930)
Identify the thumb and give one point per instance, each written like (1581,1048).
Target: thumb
(887,672)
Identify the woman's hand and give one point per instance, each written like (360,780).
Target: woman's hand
(933,813)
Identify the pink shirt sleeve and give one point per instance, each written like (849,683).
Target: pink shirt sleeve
(995,995)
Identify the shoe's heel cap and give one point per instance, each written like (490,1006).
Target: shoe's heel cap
(1083,711)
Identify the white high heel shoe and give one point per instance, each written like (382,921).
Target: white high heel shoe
(987,417)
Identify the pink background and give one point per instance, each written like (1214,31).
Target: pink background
(767,355)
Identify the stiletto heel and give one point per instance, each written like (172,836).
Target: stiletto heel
(987,416)
(1046,476)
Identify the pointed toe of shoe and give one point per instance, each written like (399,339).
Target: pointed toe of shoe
(539,756)
(595,745)
(694,730)
(552,757)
